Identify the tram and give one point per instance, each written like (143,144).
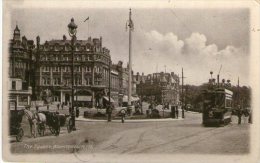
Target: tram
(217,106)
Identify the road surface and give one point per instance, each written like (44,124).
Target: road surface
(180,136)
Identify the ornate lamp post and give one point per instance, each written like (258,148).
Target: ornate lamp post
(72,29)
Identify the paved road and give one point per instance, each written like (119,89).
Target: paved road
(180,136)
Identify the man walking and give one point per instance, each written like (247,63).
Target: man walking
(239,114)
(109,112)
(177,112)
(58,106)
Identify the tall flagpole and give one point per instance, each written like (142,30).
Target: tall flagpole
(130,25)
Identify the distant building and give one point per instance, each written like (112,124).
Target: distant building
(123,81)
(160,88)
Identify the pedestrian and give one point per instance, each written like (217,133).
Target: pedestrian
(62,105)
(239,114)
(70,110)
(73,119)
(246,115)
(250,116)
(36,113)
(109,112)
(47,106)
(77,112)
(177,112)
(58,106)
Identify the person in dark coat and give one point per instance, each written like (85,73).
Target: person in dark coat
(77,112)
(239,115)
(109,112)
(177,112)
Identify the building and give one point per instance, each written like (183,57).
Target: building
(21,69)
(91,70)
(123,78)
(44,70)
(160,88)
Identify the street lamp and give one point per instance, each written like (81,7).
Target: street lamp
(72,29)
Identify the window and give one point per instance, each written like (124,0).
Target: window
(44,81)
(56,81)
(228,103)
(88,69)
(13,85)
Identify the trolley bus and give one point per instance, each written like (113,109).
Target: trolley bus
(217,106)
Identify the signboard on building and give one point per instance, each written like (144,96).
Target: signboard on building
(83,98)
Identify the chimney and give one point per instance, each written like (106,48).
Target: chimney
(64,38)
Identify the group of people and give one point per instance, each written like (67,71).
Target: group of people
(245,113)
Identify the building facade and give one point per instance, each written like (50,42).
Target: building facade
(161,88)
(123,78)
(46,69)
(21,69)
(91,70)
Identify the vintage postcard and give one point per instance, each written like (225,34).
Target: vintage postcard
(131,81)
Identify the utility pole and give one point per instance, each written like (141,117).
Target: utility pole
(109,83)
(109,109)
(131,27)
(182,101)
(238,91)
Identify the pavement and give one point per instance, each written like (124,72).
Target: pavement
(81,118)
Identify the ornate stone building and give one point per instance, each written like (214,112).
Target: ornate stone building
(159,87)
(21,69)
(91,69)
(46,68)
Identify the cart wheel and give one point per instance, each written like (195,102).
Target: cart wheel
(19,136)
(69,126)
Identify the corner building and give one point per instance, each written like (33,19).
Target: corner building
(91,70)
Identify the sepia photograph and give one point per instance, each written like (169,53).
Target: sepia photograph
(141,81)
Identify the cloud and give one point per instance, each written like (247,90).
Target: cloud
(198,58)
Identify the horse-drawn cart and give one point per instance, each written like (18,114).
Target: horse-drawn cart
(53,121)
(15,120)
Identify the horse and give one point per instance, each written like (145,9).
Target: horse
(32,121)
(35,120)
(41,119)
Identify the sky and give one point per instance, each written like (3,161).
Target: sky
(197,40)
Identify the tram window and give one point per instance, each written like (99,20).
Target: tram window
(228,103)
(220,99)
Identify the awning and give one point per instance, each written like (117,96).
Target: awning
(107,99)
